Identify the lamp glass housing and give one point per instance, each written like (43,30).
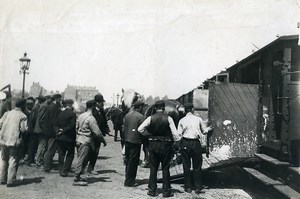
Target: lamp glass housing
(25,62)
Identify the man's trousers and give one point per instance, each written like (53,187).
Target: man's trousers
(191,150)
(10,157)
(132,153)
(32,147)
(93,156)
(160,152)
(41,149)
(66,152)
(82,158)
(51,149)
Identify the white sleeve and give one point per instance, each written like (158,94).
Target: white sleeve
(180,129)
(172,126)
(144,125)
(203,126)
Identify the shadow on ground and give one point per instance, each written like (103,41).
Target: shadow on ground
(106,171)
(160,190)
(27,181)
(92,180)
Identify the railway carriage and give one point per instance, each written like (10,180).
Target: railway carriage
(255,104)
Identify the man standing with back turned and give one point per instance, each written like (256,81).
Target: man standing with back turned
(66,138)
(191,128)
(12,125)
(133,142)
(52,129)
(162,134)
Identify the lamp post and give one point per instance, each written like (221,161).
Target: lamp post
(24,64)
(118,100)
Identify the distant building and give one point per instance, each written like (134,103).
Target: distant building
(80,93)
(36,89)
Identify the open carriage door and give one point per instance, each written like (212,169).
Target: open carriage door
(290,132)
(233,111)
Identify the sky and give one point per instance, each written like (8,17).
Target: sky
(156,47)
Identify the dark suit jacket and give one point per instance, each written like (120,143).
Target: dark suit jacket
(100,117)
(40,124)
(51,117)
(33,117)
(117,117)
(67,122)
(132,121)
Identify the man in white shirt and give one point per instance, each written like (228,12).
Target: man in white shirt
(12,125)
(191,128)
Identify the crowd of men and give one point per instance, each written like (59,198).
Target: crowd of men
(50,125)
(38,128)
(162,135)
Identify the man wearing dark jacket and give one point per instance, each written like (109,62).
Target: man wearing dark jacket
(40,128)
(117,117)
(34,136)
(66,138)
(51,116)
(99,115)
(133,141)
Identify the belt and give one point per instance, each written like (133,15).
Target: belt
(191,139)
(160,139)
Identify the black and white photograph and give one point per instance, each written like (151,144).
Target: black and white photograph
(150,99)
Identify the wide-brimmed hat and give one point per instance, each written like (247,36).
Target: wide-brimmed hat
(99,98)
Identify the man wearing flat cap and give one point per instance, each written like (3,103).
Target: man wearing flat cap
(87,132)
(66,138)
(133,141)
(100,116)
(162,133)
(191,128)
(12,125)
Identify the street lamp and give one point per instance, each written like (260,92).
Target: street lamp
(24,63)
(118,100)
